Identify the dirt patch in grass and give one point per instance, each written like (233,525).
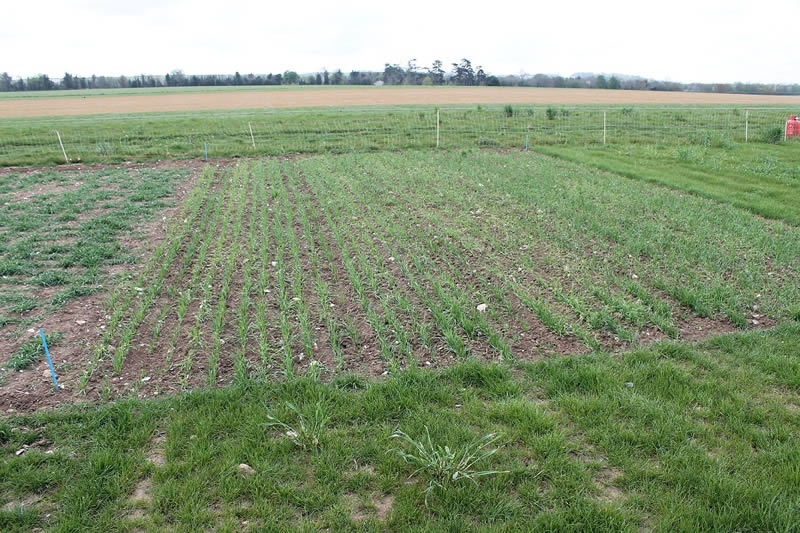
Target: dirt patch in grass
(156,457)
(142,492)
(379,506)
(605,479)
(39,189)
(28,501)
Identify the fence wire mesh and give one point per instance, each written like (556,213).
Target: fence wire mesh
(228,134)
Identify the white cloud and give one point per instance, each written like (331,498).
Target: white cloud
(682,40)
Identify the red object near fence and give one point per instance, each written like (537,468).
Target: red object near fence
(792,126)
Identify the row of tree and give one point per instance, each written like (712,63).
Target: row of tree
(461,73)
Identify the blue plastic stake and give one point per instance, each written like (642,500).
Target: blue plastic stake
(205,150)
(526,142)
(49,362)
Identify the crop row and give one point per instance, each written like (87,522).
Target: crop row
(373,263)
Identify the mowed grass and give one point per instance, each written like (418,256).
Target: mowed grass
(667,438)
(764,179)
(62,234)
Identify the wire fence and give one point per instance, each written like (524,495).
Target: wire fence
(277,132)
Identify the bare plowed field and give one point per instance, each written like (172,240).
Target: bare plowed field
(270,98)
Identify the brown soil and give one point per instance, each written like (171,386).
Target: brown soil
(271,98)
(606,479)
(142,491)
(379,506)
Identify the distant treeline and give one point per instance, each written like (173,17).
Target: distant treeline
(461,73)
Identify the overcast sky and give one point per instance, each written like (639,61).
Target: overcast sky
(679,40)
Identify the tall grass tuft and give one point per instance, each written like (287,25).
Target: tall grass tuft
(443,465)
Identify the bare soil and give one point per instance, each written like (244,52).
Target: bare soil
(266,98)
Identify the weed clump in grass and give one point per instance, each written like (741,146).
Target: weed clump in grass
(308,432)
(508,110)
(31,351)
(51,278)
(5,432)
(773,135)
(6,320)
(443,465)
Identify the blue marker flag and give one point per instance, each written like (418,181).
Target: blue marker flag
(49,362)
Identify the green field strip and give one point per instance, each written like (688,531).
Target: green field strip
(265,319)
(322,327)
(122,300)
(241,185)
(391,313)
(210,272)
(734,236)
(440,315)
(359,276)
(761,193)
(188,292)
(467,320)
(322,258)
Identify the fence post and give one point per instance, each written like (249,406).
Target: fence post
(437,128)
(746,124)
(604,127)
(62,147)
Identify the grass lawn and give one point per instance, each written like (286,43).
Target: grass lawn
(668,438)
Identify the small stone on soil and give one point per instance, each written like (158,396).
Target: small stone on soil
(481,308)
